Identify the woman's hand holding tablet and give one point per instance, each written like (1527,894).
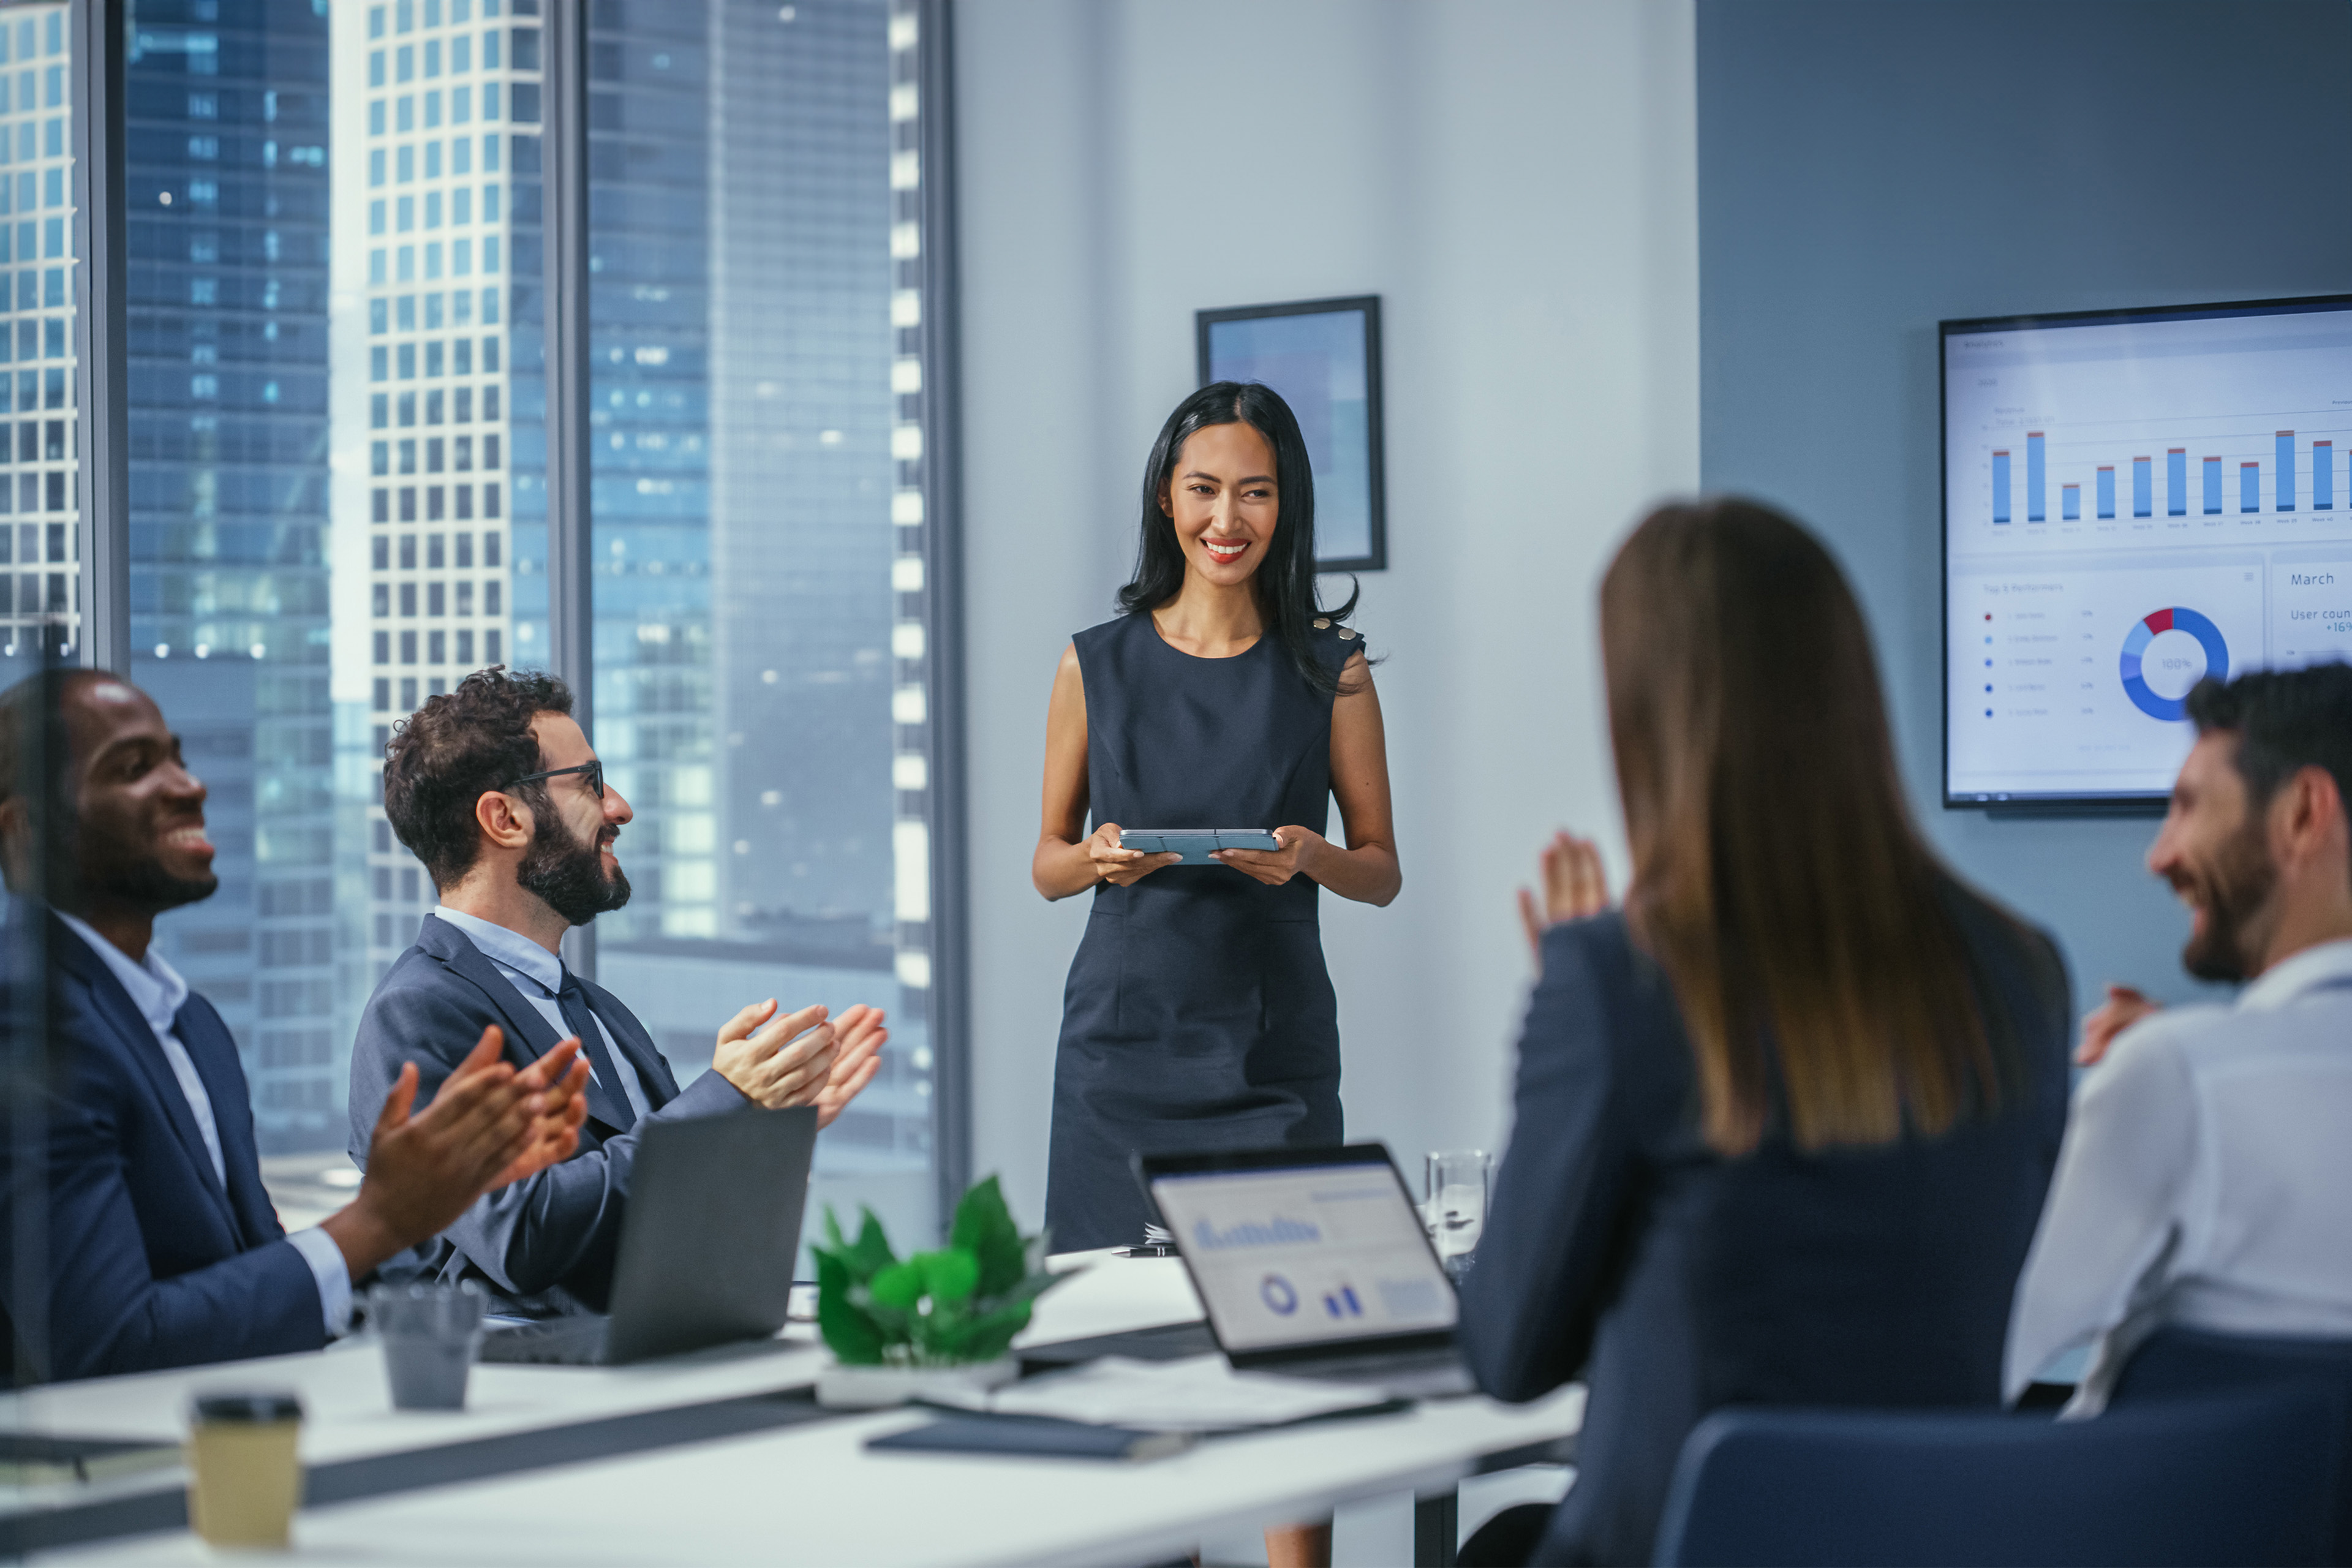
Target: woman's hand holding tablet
(1294,851)
(1119,866)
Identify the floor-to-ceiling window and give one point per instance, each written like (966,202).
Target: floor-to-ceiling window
(756,437)
(336,346)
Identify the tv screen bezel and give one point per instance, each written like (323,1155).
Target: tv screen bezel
(2087,804)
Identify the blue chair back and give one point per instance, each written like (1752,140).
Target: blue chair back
(2236,1481)
(2186,1362)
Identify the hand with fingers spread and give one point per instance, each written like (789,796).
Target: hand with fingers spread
(1122,868)
(2122,1009)
(1574,886)
(777,1059)
(858,1037)
(426,1169)
(561,1079)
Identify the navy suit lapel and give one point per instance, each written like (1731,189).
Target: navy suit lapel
(112,1003)
(653,1068)
(529,1035)
(214,1050)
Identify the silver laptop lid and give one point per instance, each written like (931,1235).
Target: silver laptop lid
(712,1230)
(1304,1248)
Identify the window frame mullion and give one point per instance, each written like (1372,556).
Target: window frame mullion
(102,376)
(571,606)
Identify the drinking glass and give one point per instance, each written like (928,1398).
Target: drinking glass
(430,1333)
(1457,1183)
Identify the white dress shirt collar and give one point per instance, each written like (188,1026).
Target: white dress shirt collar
(157,988)
(2327,963)
(512,948)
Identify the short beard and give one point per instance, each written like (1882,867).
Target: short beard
(141,885)
(568,875)
(2236,888)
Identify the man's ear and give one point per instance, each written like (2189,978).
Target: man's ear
(2308,813)
(505,821)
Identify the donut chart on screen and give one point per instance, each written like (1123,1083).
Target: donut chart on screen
(2144,632)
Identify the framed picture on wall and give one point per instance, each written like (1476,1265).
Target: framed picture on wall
(1324,357)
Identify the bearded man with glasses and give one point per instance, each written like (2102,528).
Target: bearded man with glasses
(495,788)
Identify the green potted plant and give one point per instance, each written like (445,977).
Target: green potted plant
(936,1322)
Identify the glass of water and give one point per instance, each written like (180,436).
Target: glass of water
(1458,1180)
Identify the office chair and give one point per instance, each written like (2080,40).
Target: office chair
(2246,1480)
(2176,1362)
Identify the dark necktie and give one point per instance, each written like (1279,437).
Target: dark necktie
(582,1018)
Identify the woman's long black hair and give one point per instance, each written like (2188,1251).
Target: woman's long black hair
(1285,579)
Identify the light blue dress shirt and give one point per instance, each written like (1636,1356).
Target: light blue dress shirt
(539,975)
(158,993)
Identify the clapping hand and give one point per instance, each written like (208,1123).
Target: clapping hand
(1574,886)
(559,1079)
(858,1037)
(776,1061)
(2122,1009)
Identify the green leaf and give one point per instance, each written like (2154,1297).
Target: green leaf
(855,1338)
(989,1336)
(984,1227)
(899,1286)
(949,1275)
(872,1254)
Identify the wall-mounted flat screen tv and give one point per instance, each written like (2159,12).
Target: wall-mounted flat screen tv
(2133,500)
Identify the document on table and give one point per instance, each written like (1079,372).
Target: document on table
(1198,1393)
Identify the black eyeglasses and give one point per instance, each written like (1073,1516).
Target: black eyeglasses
(592,775)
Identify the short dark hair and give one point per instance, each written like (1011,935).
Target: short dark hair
(40,697)
(2286,721)
(449,753)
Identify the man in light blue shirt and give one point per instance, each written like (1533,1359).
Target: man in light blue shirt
(162,1248)
(2206,1177)
(495,788)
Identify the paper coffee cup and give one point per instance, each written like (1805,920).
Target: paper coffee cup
(244,1476)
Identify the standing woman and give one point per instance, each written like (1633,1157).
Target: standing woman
(1198,1013)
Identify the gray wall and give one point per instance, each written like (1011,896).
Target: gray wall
(1516,180)
(1867,169)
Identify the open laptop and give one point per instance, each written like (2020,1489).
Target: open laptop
(1313,1262)
(708,1244)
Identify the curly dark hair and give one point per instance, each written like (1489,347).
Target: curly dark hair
(2286,721)
(449,753)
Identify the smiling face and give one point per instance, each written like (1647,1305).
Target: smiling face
(138,835)
(2214,848)
(572,864)
(1223,503)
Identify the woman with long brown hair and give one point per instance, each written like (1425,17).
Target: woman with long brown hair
(1785,1122)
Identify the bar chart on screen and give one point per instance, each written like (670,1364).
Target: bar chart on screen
(2133,503)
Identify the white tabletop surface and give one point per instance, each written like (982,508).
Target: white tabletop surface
(810,1492)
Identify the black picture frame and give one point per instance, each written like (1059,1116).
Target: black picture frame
(1345,542)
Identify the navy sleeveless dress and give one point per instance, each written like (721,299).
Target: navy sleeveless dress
(1198,1015)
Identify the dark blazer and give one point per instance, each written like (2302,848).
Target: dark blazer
(1620,1248)
(546,1246)
(151,1261)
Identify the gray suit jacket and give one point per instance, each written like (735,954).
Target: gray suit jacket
(546,1246)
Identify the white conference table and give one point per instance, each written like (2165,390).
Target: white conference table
(727,1490)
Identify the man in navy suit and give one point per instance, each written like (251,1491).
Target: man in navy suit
(495,788)
(162,1246)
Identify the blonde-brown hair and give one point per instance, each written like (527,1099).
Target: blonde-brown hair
(1777,877)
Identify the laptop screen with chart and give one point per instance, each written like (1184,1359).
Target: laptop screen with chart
(2134,500)
(1304,1253)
